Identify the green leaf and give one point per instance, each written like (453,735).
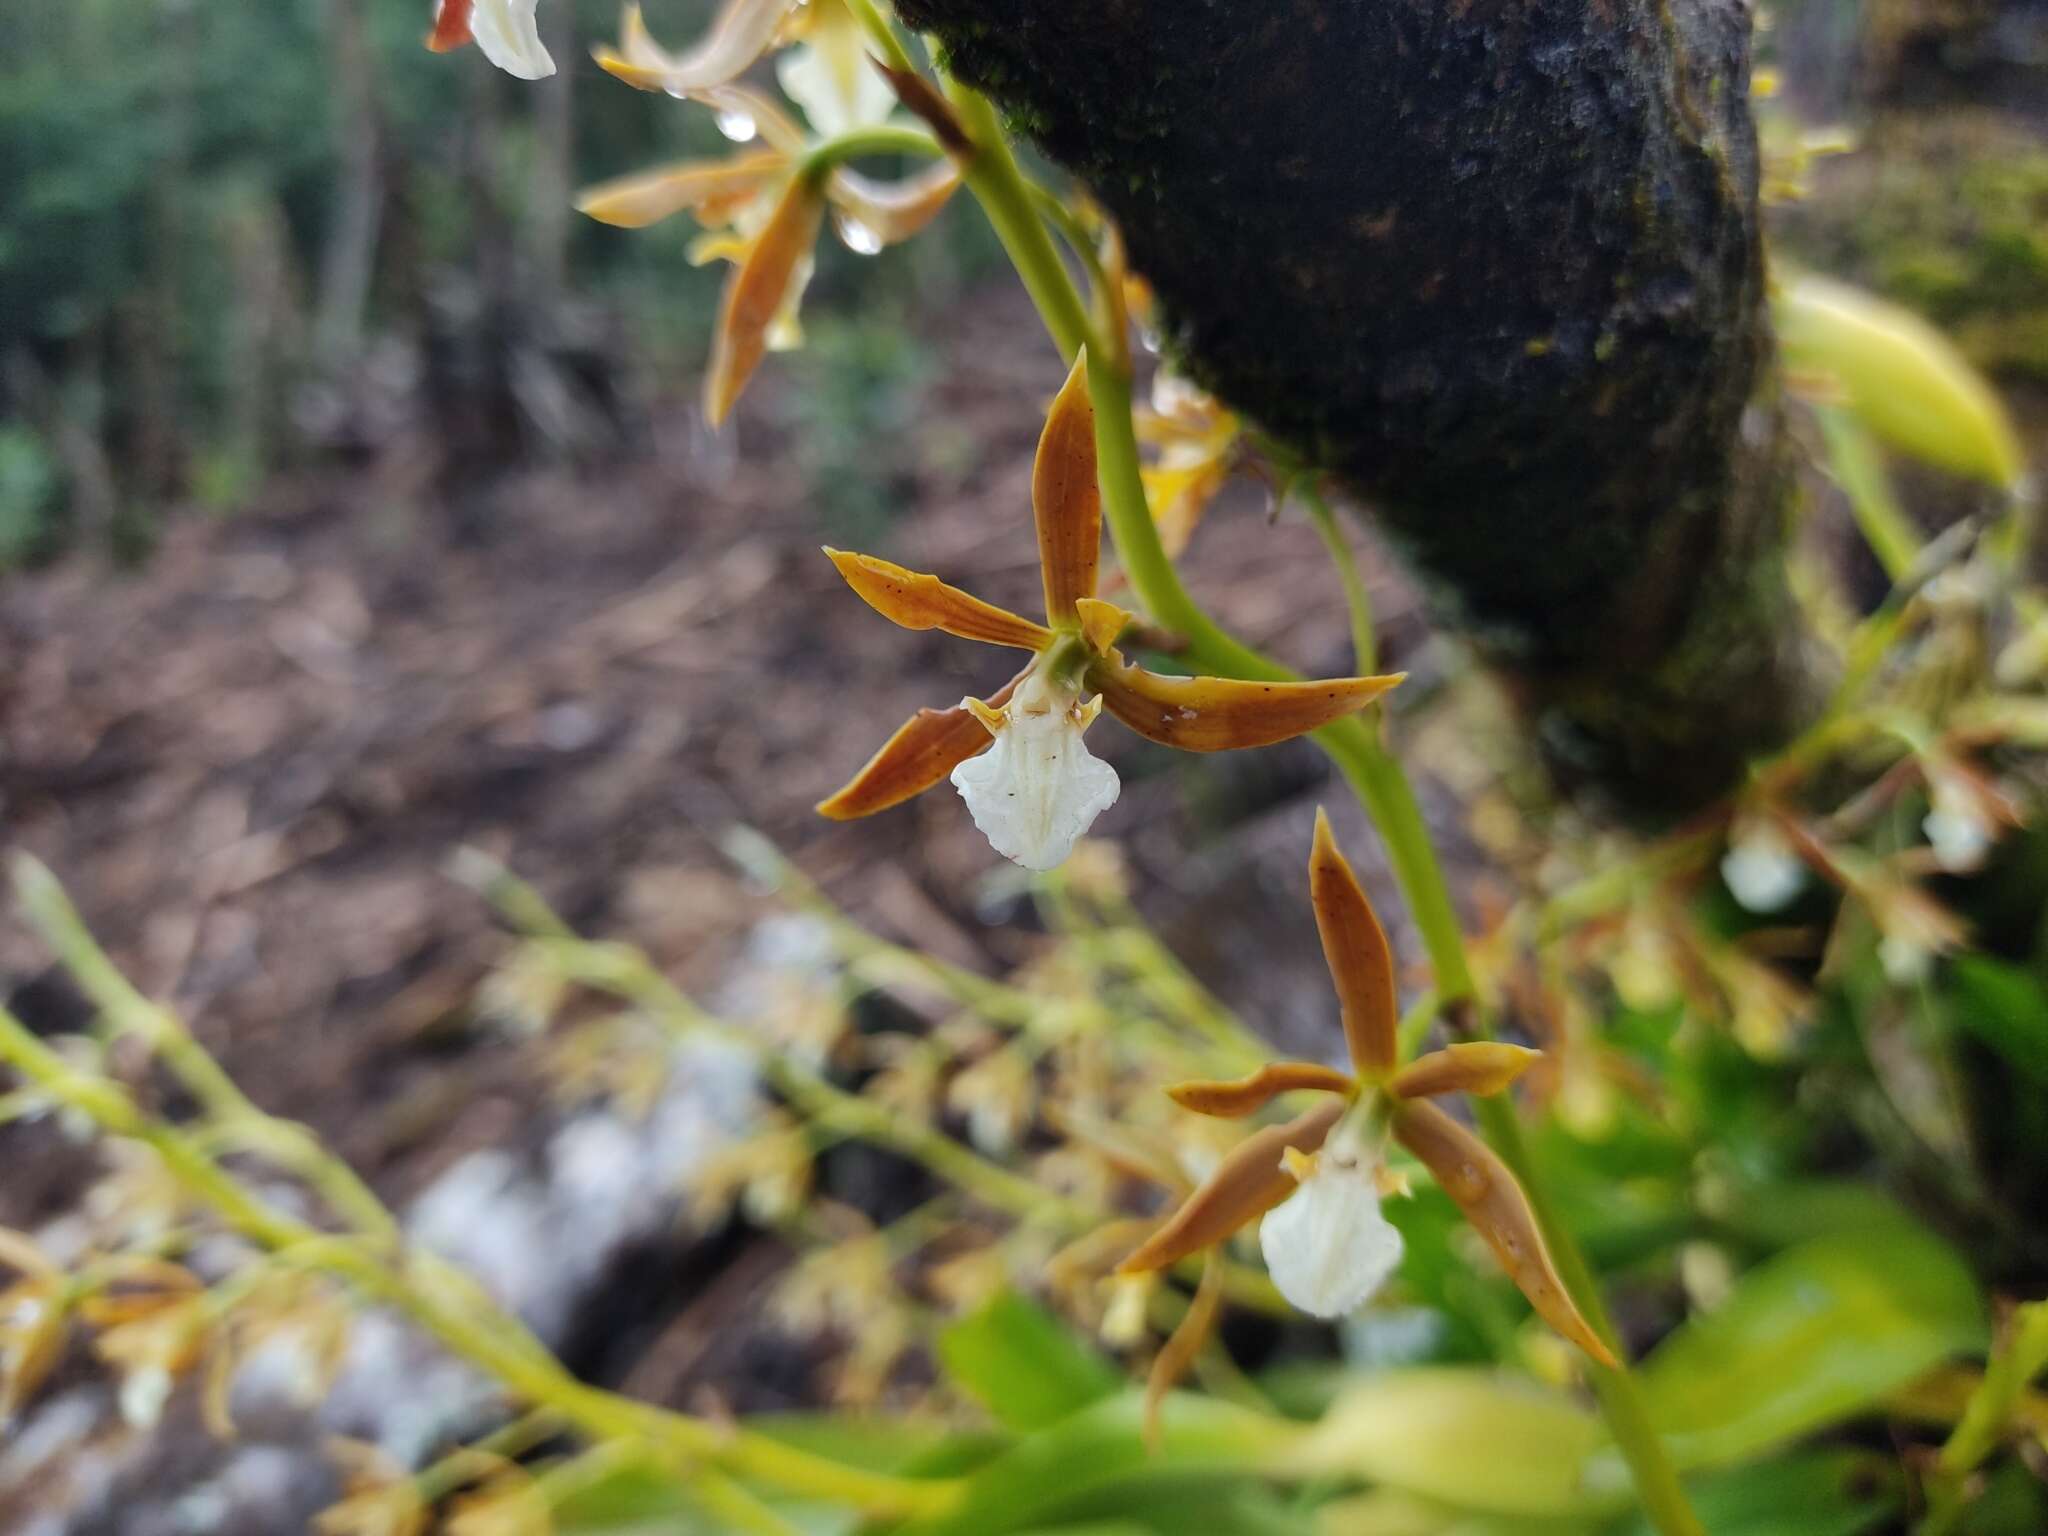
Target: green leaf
(1072,1469)
(1822,1493)
(1022,1365)
(2005,1007)
(1812,1336)
(1463,1437)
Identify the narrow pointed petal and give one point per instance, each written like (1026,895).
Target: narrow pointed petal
(451,26)
(754,295)
(1467,1170)
(1248,1095)
(1217,714)
(1482,1067)
(1186,1341)
(739,35)
(1066,499)
(1355,949)
(893,211)
(927,747)
(918,601)
(1246,1184)
(647,197)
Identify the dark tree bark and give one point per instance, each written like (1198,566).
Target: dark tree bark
(1496,263)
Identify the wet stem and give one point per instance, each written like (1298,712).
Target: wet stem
(1353,744)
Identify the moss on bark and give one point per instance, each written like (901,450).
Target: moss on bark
(1497,264)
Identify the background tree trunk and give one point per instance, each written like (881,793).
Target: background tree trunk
(350,258)
(1497,264)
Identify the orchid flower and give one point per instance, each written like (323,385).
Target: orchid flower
(763,211)
(1018,758)
(507,32)
(1194,439)
(1315,1183)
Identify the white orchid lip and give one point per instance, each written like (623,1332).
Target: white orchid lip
(1328,1247)
(508,33)
(1038,789)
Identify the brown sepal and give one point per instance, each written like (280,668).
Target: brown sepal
(918,601)
(922,100)
(1246,1184)
(1355,949)
(927,747)
(1183,1344)
(1481,1067)
(1467,1170)
(1066,501)
(1217,714)
(1248,1095)
(754,293)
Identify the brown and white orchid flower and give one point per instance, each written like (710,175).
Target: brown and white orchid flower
(1018,758)
(762,212)
(1316,1182)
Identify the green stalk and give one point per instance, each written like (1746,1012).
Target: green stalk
(432,1295)
(1364,642)
(1374,774)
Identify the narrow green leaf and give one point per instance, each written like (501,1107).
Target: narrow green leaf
(1054,1471)
(1018,1362)
(1812,1336)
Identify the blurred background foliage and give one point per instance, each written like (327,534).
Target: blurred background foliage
(236,238)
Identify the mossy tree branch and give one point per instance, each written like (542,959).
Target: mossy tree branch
(1497,264)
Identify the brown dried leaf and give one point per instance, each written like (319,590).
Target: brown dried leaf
(1248,1095)
(922,99)
(1475,1066)
(1066,499)
(1217,714)
(918,601)
(1246,1184)
(1467,1170)
(1355,949)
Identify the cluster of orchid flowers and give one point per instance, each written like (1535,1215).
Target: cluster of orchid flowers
(1019,758)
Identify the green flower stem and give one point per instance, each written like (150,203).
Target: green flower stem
(1364,641)
(451,1308)
(999,187)
(626,974)
(127,1011)
(883,139)
(1374,774)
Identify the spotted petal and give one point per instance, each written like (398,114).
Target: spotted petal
(1467,1170)
(1246,1184)
(927,747)
(1065,498)
(918,601)
(1216,714)
(1355,949)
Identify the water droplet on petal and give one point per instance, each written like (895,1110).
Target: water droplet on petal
(736,125)
(854,235)
(1150,339)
